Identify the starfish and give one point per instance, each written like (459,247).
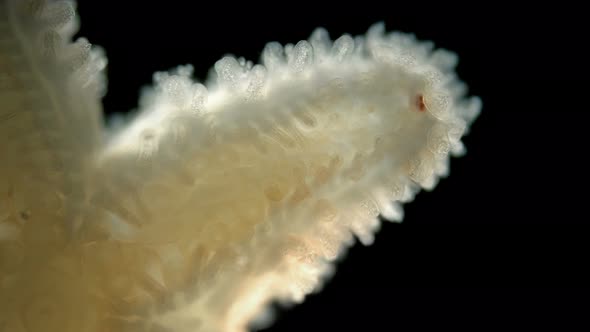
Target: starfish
(213,199)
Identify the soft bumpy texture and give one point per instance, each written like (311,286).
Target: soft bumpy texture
(214,199)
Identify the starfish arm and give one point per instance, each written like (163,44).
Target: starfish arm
(215,199)
(50,130)
(246,190)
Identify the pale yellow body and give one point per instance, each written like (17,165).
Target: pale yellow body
(211,201)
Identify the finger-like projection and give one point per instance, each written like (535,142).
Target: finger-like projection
(216,198)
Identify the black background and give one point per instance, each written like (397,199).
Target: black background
(503,242)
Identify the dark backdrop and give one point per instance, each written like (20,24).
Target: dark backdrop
(502,243)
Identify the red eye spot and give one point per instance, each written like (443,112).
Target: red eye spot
(420,103)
